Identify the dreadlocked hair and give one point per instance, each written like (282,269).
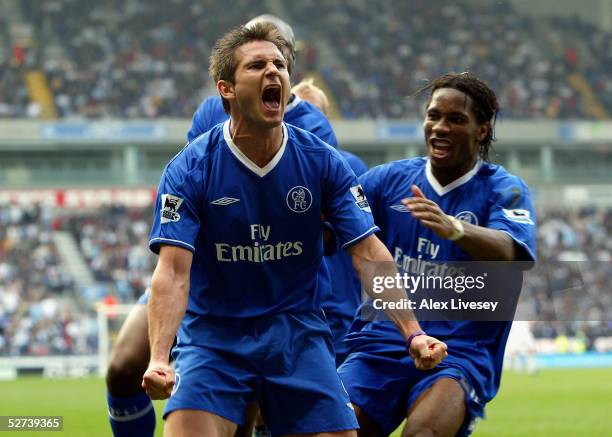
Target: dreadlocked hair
(484,102)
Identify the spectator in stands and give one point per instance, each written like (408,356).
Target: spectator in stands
(120,59)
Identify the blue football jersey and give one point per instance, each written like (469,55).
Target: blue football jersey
(486,196)
(358,166)
(345,286)
(300,113)
(256,233)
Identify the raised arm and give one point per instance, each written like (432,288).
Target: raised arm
(480,243)
(166,308)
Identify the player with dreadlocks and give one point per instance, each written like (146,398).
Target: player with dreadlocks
(462,208)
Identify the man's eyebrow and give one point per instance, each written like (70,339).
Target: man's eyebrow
(264,58)
(453,113)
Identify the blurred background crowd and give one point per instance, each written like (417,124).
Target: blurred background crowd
(138,59)
(43,312)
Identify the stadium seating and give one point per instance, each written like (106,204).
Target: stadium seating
(43,311)
(114,243)
(128,58)
(404,44)
(39,314)
(124,59)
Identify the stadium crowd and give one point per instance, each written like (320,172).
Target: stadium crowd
(588,50)
(114,243)
(128,58)
(42,310)
(38,312)
(571,282)
(432,37)
(13,94)
(131,59)
(14,100)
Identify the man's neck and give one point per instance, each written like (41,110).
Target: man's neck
(258,144)
(446,176)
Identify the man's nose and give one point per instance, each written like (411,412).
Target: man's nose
(440,125)
(271,68)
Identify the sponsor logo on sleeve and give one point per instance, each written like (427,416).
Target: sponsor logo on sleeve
(360,198)
(518,215)
(170,205)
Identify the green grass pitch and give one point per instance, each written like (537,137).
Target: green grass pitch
(569,402)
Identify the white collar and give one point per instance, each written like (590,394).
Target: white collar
(291,106)
(259,171)
(439,189)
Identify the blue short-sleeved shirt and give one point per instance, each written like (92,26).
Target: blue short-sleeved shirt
(487,196)
(256,233)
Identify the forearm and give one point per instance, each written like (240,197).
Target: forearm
(487,244)
(166,308)
(479,242)
(393,299)
(372,259)
(378,262)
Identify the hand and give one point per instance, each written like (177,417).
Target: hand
(427,352)
(428,213)
(158,380)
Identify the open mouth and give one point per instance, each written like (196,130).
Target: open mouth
(271,97)
(439,147)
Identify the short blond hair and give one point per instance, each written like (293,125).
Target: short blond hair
(307,87)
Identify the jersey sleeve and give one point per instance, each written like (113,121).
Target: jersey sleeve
(209,114)
(370,181)
(199,121)
(327,134)
(512,212)
(176,220)
(345,204)
(358,166)
(318,124)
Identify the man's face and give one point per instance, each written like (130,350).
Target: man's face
(452,133)
(261,83)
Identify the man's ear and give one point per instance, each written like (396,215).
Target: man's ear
(483,131)
(226,89)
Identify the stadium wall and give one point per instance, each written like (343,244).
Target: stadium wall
(15,134)
(559,159)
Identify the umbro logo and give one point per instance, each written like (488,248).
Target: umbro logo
(399,208)
(224,201)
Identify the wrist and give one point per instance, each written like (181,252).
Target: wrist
(411,337)
(458,229)
(156,364)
